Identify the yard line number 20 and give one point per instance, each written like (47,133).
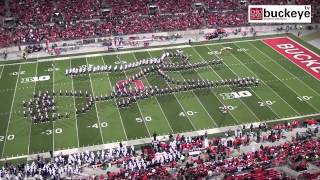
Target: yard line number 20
(10,137)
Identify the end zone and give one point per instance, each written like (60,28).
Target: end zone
(296,53)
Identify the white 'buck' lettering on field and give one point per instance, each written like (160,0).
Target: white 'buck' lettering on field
(296,53)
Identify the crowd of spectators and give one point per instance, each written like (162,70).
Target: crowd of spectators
(79,10)
(42,20)
(32,12)
(193,157)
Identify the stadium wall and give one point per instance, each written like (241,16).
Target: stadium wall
(138,41)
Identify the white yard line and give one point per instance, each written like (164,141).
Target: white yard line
(278,78)
(252,73)
(143,117)
(179,102)
(137,50)
(275,91)
(149,140)
(96,108)
(213,121)
(12,103)
(74,109)
(140,50)
(53,132)
(124,130)
(157,101)
(53,73)
(220,78)
(1,72)
(286,69)
(230,88)
(30,129)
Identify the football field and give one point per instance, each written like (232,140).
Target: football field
(286,90)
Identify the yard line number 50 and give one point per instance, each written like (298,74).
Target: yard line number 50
(141,119)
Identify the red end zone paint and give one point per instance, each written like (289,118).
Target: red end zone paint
(296,53)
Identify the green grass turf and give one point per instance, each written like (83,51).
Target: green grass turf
(311,36)
(282,83)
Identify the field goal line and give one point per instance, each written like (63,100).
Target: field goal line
(149,140)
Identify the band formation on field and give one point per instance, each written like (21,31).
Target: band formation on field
(42,107)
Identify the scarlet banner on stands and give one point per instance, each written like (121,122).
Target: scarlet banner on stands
(296,53)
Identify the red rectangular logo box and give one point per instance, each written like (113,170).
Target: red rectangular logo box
(256,13)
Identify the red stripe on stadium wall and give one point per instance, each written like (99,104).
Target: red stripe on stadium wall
(296,53)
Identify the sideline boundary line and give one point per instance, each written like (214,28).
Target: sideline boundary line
(74,56)
(149,140)
(10,115)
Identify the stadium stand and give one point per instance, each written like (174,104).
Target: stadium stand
(192,157)
(66,20)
